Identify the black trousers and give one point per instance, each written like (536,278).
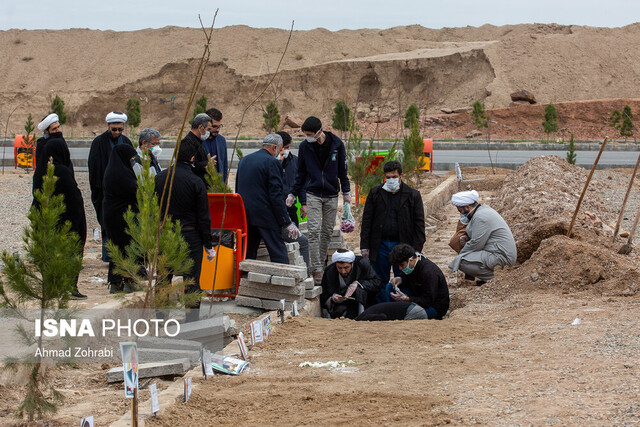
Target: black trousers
(273,241)
(194,240)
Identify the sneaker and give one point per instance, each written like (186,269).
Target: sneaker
(78,295)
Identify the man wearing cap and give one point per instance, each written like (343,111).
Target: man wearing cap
(490,240)
(259,182)
(322,166)
(99,159)
(216,144)
(348,285)
(200,131)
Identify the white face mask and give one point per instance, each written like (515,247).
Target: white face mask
(463,219)
(285,154)
(156,151)
(391,185)
(315,137)
(205,136)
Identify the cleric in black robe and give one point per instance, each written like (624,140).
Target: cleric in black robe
(50,127)
(99,155)
(189,204)
(56,149)
(120,186)
(345,270)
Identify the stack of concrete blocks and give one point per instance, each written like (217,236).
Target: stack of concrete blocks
(267,283)
(337,241)
(293,250)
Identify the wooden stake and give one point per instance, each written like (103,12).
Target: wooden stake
(134,408)
(624,202)
(586,185)
(628,247)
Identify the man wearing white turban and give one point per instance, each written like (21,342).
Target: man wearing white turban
(490,240)
(349,285)
(99,159)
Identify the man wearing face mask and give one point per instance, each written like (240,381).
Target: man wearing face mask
(216,144)
(259,182)
(322,167)
(393,214)
(420,292)
(148,147)
(99,154)
(490,241)
(200,131)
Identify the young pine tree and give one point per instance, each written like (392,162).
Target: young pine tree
(571,152)
(173,251)
(271,118)
(57,106)
(626,128)
(44,280)
(550,123)
(214,180)
(133,114)
(479,116)
(412,154)
(201,107)
(342,117)
(410,115)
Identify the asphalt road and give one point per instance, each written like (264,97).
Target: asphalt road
(443,159)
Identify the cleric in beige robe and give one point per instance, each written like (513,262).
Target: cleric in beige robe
(490,241)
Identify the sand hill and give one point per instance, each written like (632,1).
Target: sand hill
(383,71)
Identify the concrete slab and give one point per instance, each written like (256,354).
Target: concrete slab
(308,283)
(266,304)
(210,309)
(312,293)
(155,369)
(283,281)
(258,277)
(295,246)
(312,308)
(273,269)
(294,290)
(162,355)
(268,294)
(168,343)
(200,329)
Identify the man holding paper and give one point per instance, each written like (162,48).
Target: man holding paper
(348,284)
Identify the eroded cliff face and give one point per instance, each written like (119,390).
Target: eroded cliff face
(377,72)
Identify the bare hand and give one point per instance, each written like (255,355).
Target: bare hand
(365,253)
(464,239)
(337,298)
(214,160)
(303,211)
(346,198)
(396,281)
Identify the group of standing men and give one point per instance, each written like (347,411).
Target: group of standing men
(269,181)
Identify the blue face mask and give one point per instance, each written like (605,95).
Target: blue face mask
(408,270)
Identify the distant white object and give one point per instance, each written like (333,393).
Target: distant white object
(576,321)
(458,172)
(87,421)
(155,405)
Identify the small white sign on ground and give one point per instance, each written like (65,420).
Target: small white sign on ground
(155,405)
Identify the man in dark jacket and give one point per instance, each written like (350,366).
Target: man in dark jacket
(393,214)
(322,166)
(190,206)
(216,144)
(99,154)
(347,285)
(421,282)
(259,182)
(200,131)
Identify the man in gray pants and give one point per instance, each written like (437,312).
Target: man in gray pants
(322,165)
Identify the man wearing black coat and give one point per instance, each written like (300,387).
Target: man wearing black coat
(200,131)
(393,214)
(189,205)
(259,183)
(421,282)
(99,154)
(348,284)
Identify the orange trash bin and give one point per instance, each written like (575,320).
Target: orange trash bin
(24,153)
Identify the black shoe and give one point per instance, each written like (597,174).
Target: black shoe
(78,295)
(469,277)
(114,288)
(480,282)
(128,287)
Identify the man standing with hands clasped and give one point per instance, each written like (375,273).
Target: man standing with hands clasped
(322,165)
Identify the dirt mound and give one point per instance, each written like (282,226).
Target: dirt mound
(571,265)
(538,200)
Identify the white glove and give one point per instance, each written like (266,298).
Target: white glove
(365,253)
(337,298)
(211,253)
(293,231)
(346,198)
(291,199)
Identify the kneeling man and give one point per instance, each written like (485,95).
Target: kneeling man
(490,240)
(420,292)
(348,283)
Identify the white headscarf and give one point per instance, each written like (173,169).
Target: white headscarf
(464,198)
(348,256)
(48,121)
(116,117)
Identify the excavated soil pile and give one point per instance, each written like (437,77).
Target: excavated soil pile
(538,201)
